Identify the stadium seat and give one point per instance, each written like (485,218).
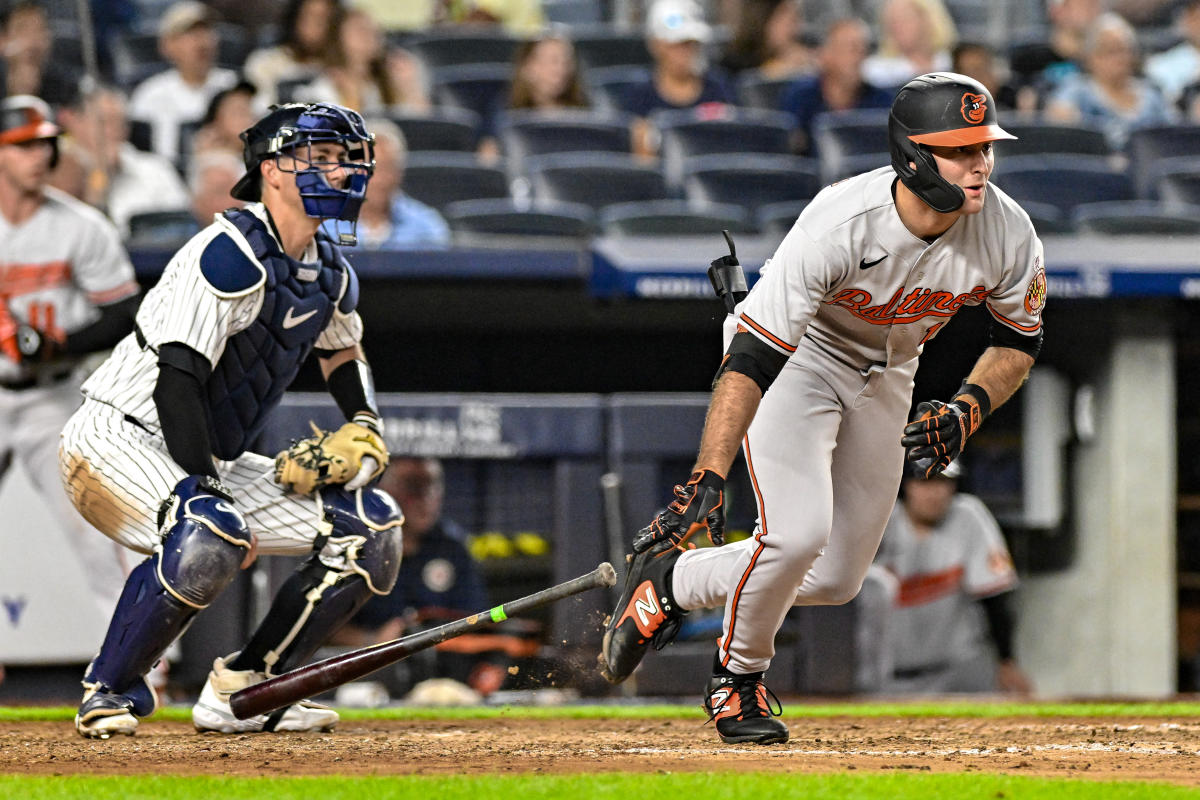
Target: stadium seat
(603,46)
(1064,181)
(1180,187)
(672,218)
(161,230)
(1137,217)
(609,86)
(594,179)
(756,91)
(476,87)
(446,128)
(843,135)
(504,217)
(1047,219)
(684,135)
(750,180)
(472,45)
(1148,146)
(524,134)
(1034,138)
(233,45)
(778,218)
(438,178)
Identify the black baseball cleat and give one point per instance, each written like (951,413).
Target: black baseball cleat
(741,706)
(646,612)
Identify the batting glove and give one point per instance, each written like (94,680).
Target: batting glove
(940,432)
(699,504)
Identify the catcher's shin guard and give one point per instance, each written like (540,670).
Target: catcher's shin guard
(743,710)
(646,612)
(357,554)
(204,542)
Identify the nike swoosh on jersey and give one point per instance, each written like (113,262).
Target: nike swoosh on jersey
(290,322)
(864,264)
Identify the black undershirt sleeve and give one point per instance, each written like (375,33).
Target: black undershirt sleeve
(1000,624)
(116,320)
(179,397)
(352,389)
(754,358)
(1004,336)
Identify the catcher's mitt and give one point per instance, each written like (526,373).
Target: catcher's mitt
(328,458)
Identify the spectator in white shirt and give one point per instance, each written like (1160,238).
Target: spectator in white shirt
(1175,69)
(182,93)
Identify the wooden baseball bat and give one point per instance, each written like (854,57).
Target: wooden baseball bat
(290,687)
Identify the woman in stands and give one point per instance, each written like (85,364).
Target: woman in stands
(1109,94)
(545,77)
(308,27)
(364,74)
(915,37)
(767,40)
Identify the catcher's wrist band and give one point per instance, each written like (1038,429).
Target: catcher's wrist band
(370,421)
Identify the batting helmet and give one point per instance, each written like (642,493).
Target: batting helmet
(25,118)
(941,109)
(299,125)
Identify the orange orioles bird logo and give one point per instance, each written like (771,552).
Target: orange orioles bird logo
(974,106)
(1035,295)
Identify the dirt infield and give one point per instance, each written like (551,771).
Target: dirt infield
(1102,749)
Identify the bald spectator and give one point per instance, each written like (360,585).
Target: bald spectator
(390,219)
(838,84)
(182,93)
(26,67)
(98,165)
(211,175)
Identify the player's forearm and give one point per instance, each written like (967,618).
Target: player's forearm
(116,321)
(734,402)
(1000,371)
(350,383)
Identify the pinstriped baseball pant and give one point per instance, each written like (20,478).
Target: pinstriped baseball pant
(825,462)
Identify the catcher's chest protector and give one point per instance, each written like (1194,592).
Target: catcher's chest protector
(260,362)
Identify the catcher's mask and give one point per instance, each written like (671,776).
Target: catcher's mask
(25,118)
(292,130)
(941,109)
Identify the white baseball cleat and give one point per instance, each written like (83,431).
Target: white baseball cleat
(212,711)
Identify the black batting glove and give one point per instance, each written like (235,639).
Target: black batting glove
(939,433)
(700,503)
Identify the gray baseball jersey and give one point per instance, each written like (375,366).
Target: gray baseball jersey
(851,296)
(937,620)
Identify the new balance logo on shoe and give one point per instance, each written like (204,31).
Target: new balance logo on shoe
(648,608)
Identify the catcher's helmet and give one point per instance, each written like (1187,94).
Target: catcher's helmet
(940,109)
(25,118)
(299,125)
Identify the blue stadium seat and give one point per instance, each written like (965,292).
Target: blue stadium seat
(1180,187)
(1137,217)
(594,179)
(1064,181)
(161,230)
(756,91)
(458,45)
(505,217)
(604,46)
(778,218)
(609,86)
(524,134)
(843,135)
(1034,138)
(672,218)
(1048,220)
(475,87)
(1147,147)
(439,178)
(685,135)
(446,128)
(750,180)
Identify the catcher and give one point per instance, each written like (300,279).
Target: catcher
(156,457)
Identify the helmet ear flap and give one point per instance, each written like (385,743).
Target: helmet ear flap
(923,180)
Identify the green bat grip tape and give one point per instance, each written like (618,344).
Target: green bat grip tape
(498,614)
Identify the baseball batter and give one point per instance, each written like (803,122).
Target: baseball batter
(156,456)
(816,386)
(953,572)
(66,290)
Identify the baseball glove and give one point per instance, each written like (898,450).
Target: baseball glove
(327,458)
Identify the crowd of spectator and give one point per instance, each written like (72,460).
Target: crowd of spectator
(146,137)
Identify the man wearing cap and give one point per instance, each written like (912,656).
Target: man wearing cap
(816,386)
(676,35)
(950,628)
(181,94)
(67,290)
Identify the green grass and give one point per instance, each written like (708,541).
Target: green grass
(684,711)
(618,786)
